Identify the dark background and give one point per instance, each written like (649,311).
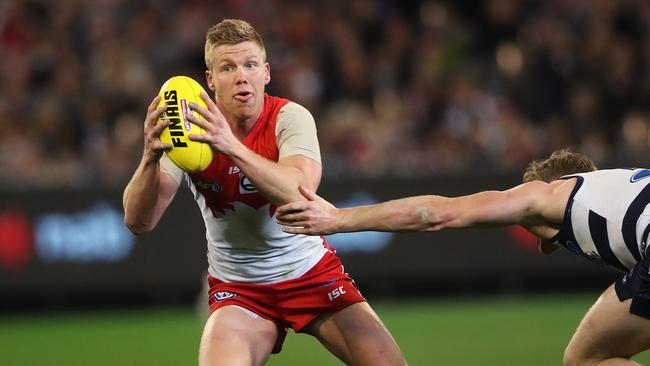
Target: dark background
(166,266)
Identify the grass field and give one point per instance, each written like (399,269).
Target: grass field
(470,331)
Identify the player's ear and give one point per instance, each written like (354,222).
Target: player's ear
(209,80)
(267,73)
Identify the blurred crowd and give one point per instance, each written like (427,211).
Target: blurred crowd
(397,88)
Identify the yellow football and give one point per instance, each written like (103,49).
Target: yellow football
(177,93)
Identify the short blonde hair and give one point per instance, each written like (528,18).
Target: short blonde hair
(230,32)
(560,163)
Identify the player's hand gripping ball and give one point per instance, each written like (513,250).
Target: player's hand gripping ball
(177,93)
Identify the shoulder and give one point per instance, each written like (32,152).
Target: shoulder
(549,200)
(294,110)
(563,186)
(531,189)
(292,117)
(554,187)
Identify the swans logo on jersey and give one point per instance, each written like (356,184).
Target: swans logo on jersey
(208,186)
(223,295)
(245,185)
(641,174)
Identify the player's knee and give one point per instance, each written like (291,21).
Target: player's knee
(571,356)
(229,355)
(575,357)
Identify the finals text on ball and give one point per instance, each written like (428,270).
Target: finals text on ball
(172,114)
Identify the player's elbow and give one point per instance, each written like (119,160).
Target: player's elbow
(137,227)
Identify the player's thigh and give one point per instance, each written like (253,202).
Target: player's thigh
(608,330)
(234,336)
(357,336)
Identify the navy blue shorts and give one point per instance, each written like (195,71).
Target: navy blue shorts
(635,285)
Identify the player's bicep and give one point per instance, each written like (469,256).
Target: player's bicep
(296,133)
(494,208)
(524,203)
(298,143)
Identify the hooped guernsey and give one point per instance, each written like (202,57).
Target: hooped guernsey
(607,218)
(245,243)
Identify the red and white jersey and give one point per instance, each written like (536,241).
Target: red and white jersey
(245,244)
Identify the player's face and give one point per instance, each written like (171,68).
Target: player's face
(238,76)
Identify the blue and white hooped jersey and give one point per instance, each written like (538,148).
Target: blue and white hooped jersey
(607,218)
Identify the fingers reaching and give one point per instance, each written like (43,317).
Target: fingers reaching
(158,129)
(198,121)
(154,113)
(308,193)
(296,206)
(295,230)
(212,107)
(202,111)
(290,218)
(153,129)
(153,104)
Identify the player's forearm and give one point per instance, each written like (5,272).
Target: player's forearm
(277,182)
(140,198)
(419,213)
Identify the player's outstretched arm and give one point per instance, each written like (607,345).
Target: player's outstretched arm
(149,191)
(316,216)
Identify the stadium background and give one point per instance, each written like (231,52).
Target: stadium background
(409,97)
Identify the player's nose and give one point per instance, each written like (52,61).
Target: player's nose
(240,76)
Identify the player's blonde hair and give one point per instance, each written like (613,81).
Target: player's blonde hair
(230,32)
(560,163)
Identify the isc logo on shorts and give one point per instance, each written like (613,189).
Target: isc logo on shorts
(223,295)
(336,293)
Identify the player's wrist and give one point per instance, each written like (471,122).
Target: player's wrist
(236,150)
(341,218)
(150,159)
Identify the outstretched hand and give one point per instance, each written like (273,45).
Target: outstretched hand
(314,216)
(218,133)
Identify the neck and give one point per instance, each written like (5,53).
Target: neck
(241,127)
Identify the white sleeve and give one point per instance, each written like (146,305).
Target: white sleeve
(169,168)
(295,131)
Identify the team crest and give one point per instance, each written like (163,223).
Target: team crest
(245,185)
(223,295)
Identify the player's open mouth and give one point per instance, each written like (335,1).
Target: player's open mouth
(244,96)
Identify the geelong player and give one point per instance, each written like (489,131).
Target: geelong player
(602,215)
(262,280)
